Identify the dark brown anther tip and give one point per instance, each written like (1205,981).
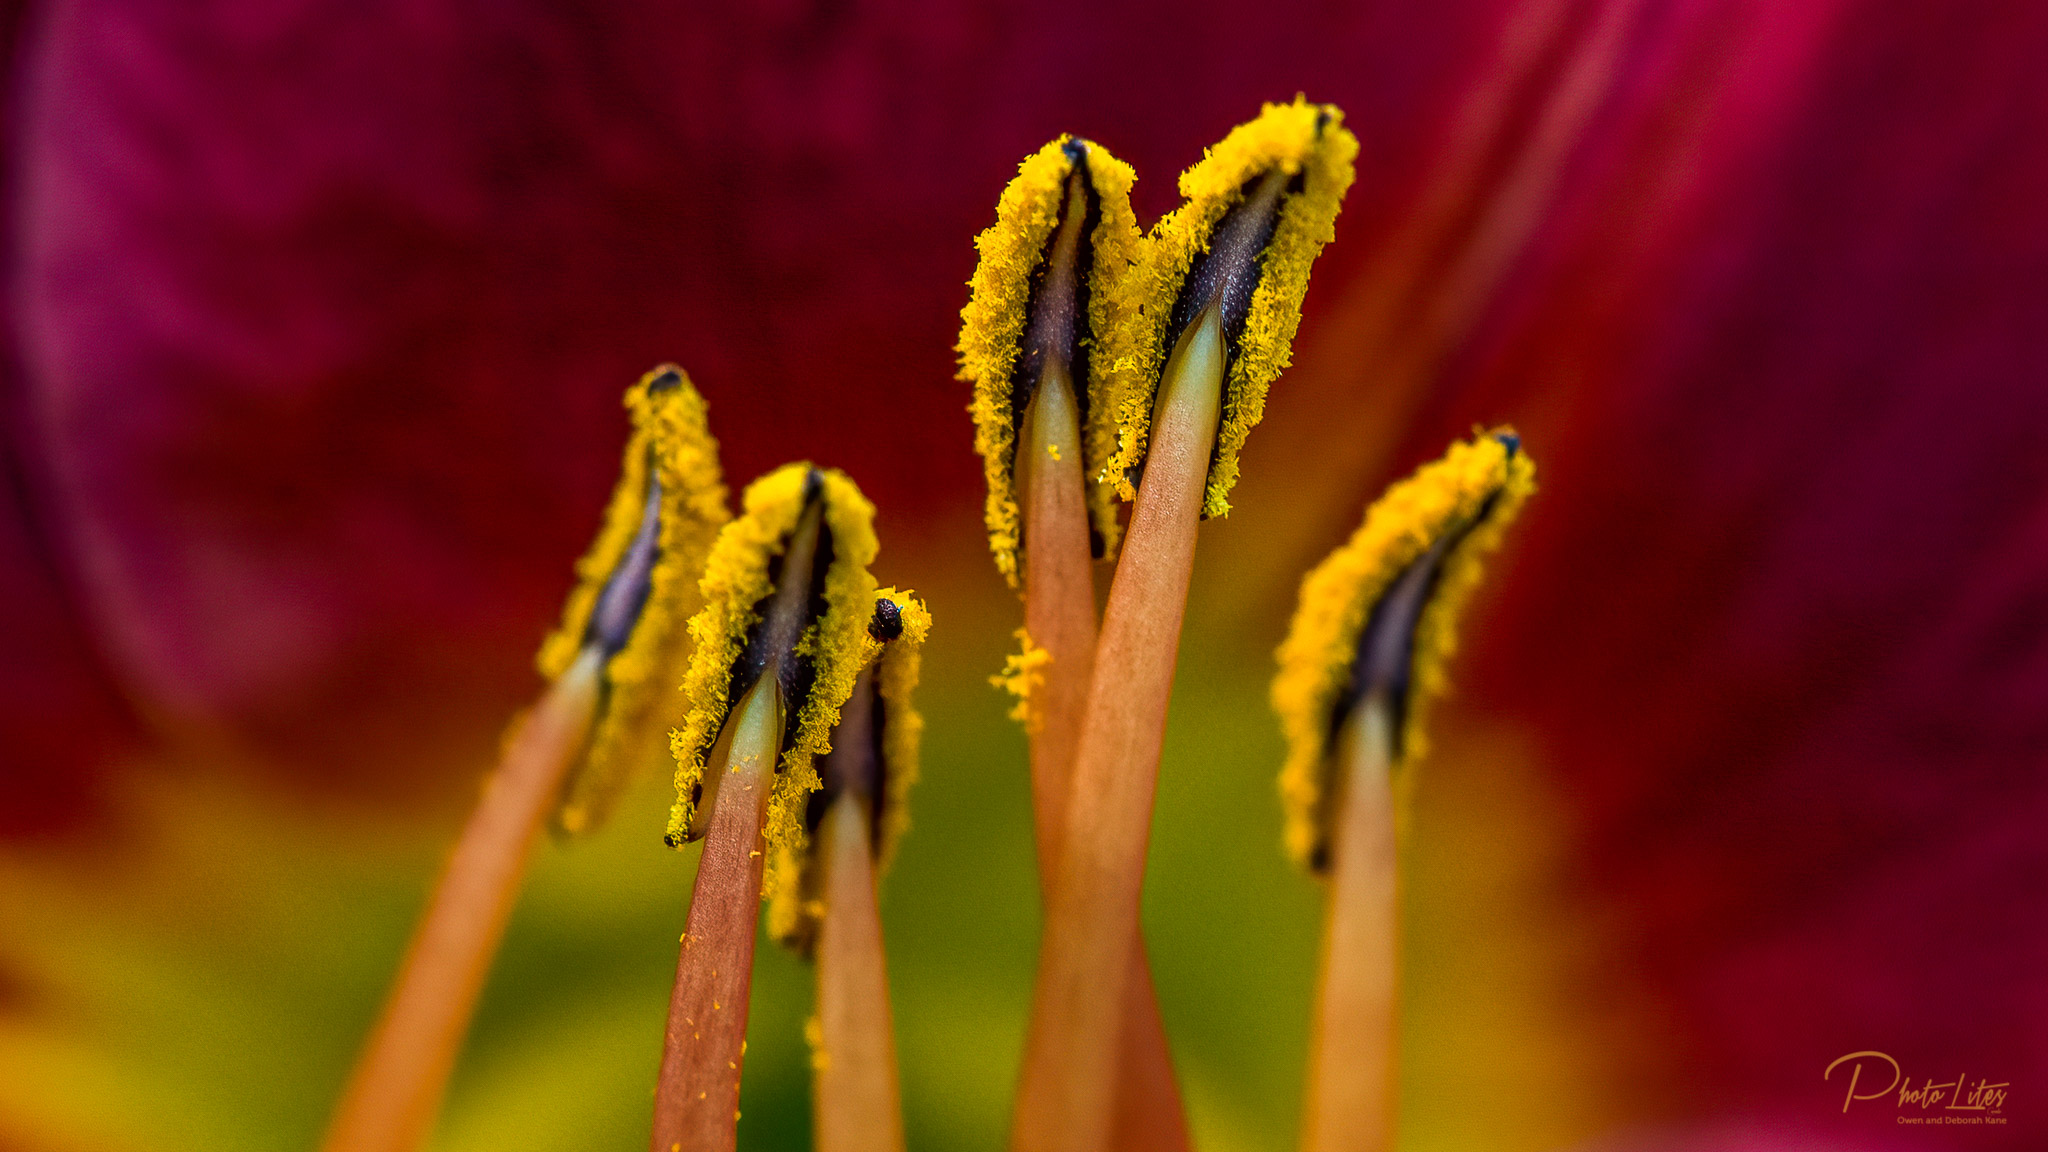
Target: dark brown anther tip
(887,623)
(669,380)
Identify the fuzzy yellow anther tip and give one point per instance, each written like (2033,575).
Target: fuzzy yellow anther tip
(736,581)
(1309,145)
(894,732)
(637,586)
(1436,528)
(997,320)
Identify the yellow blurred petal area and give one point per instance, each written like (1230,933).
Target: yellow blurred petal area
(206,984)
(1520,1031)
(1306,141)
(997,315)
(1520,1028)
(672,440)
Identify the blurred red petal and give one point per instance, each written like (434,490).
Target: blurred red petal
(326,307)
(62,721)
(1780,612)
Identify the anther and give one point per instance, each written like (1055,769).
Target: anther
(794,606)
(855,763)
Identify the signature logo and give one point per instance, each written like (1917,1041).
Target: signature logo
(1872,1076)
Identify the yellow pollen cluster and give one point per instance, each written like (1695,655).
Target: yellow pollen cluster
(997,316)
(736,581)
(1304,140)
(795,907)
(1023,673)
(1338,596)
(671,435)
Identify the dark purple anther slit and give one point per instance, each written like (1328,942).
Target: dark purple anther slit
(1386,646)
(625,591)
(1228,273)
(856,762)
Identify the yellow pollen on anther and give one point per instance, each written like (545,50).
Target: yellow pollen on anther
(1467,500)
(736,582)
(671,442)
(1305,141)
(793,916)
(997,317)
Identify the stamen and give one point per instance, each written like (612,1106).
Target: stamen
(1386,649)
(621,631)
(638,589)
(798,602)
(831,917)
(873,756)
(1047,287)
(1047,501)
(1055,510)
(1059,297)
(854,767)
(1228,274)
(784,630)
(1209,380)
(810,629)
(855,1101)
(395,1093)
(1350,1091)
(771,652)
(1376,618)
(697,1090)
(625,593)
(1367,646)
(1260,207)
